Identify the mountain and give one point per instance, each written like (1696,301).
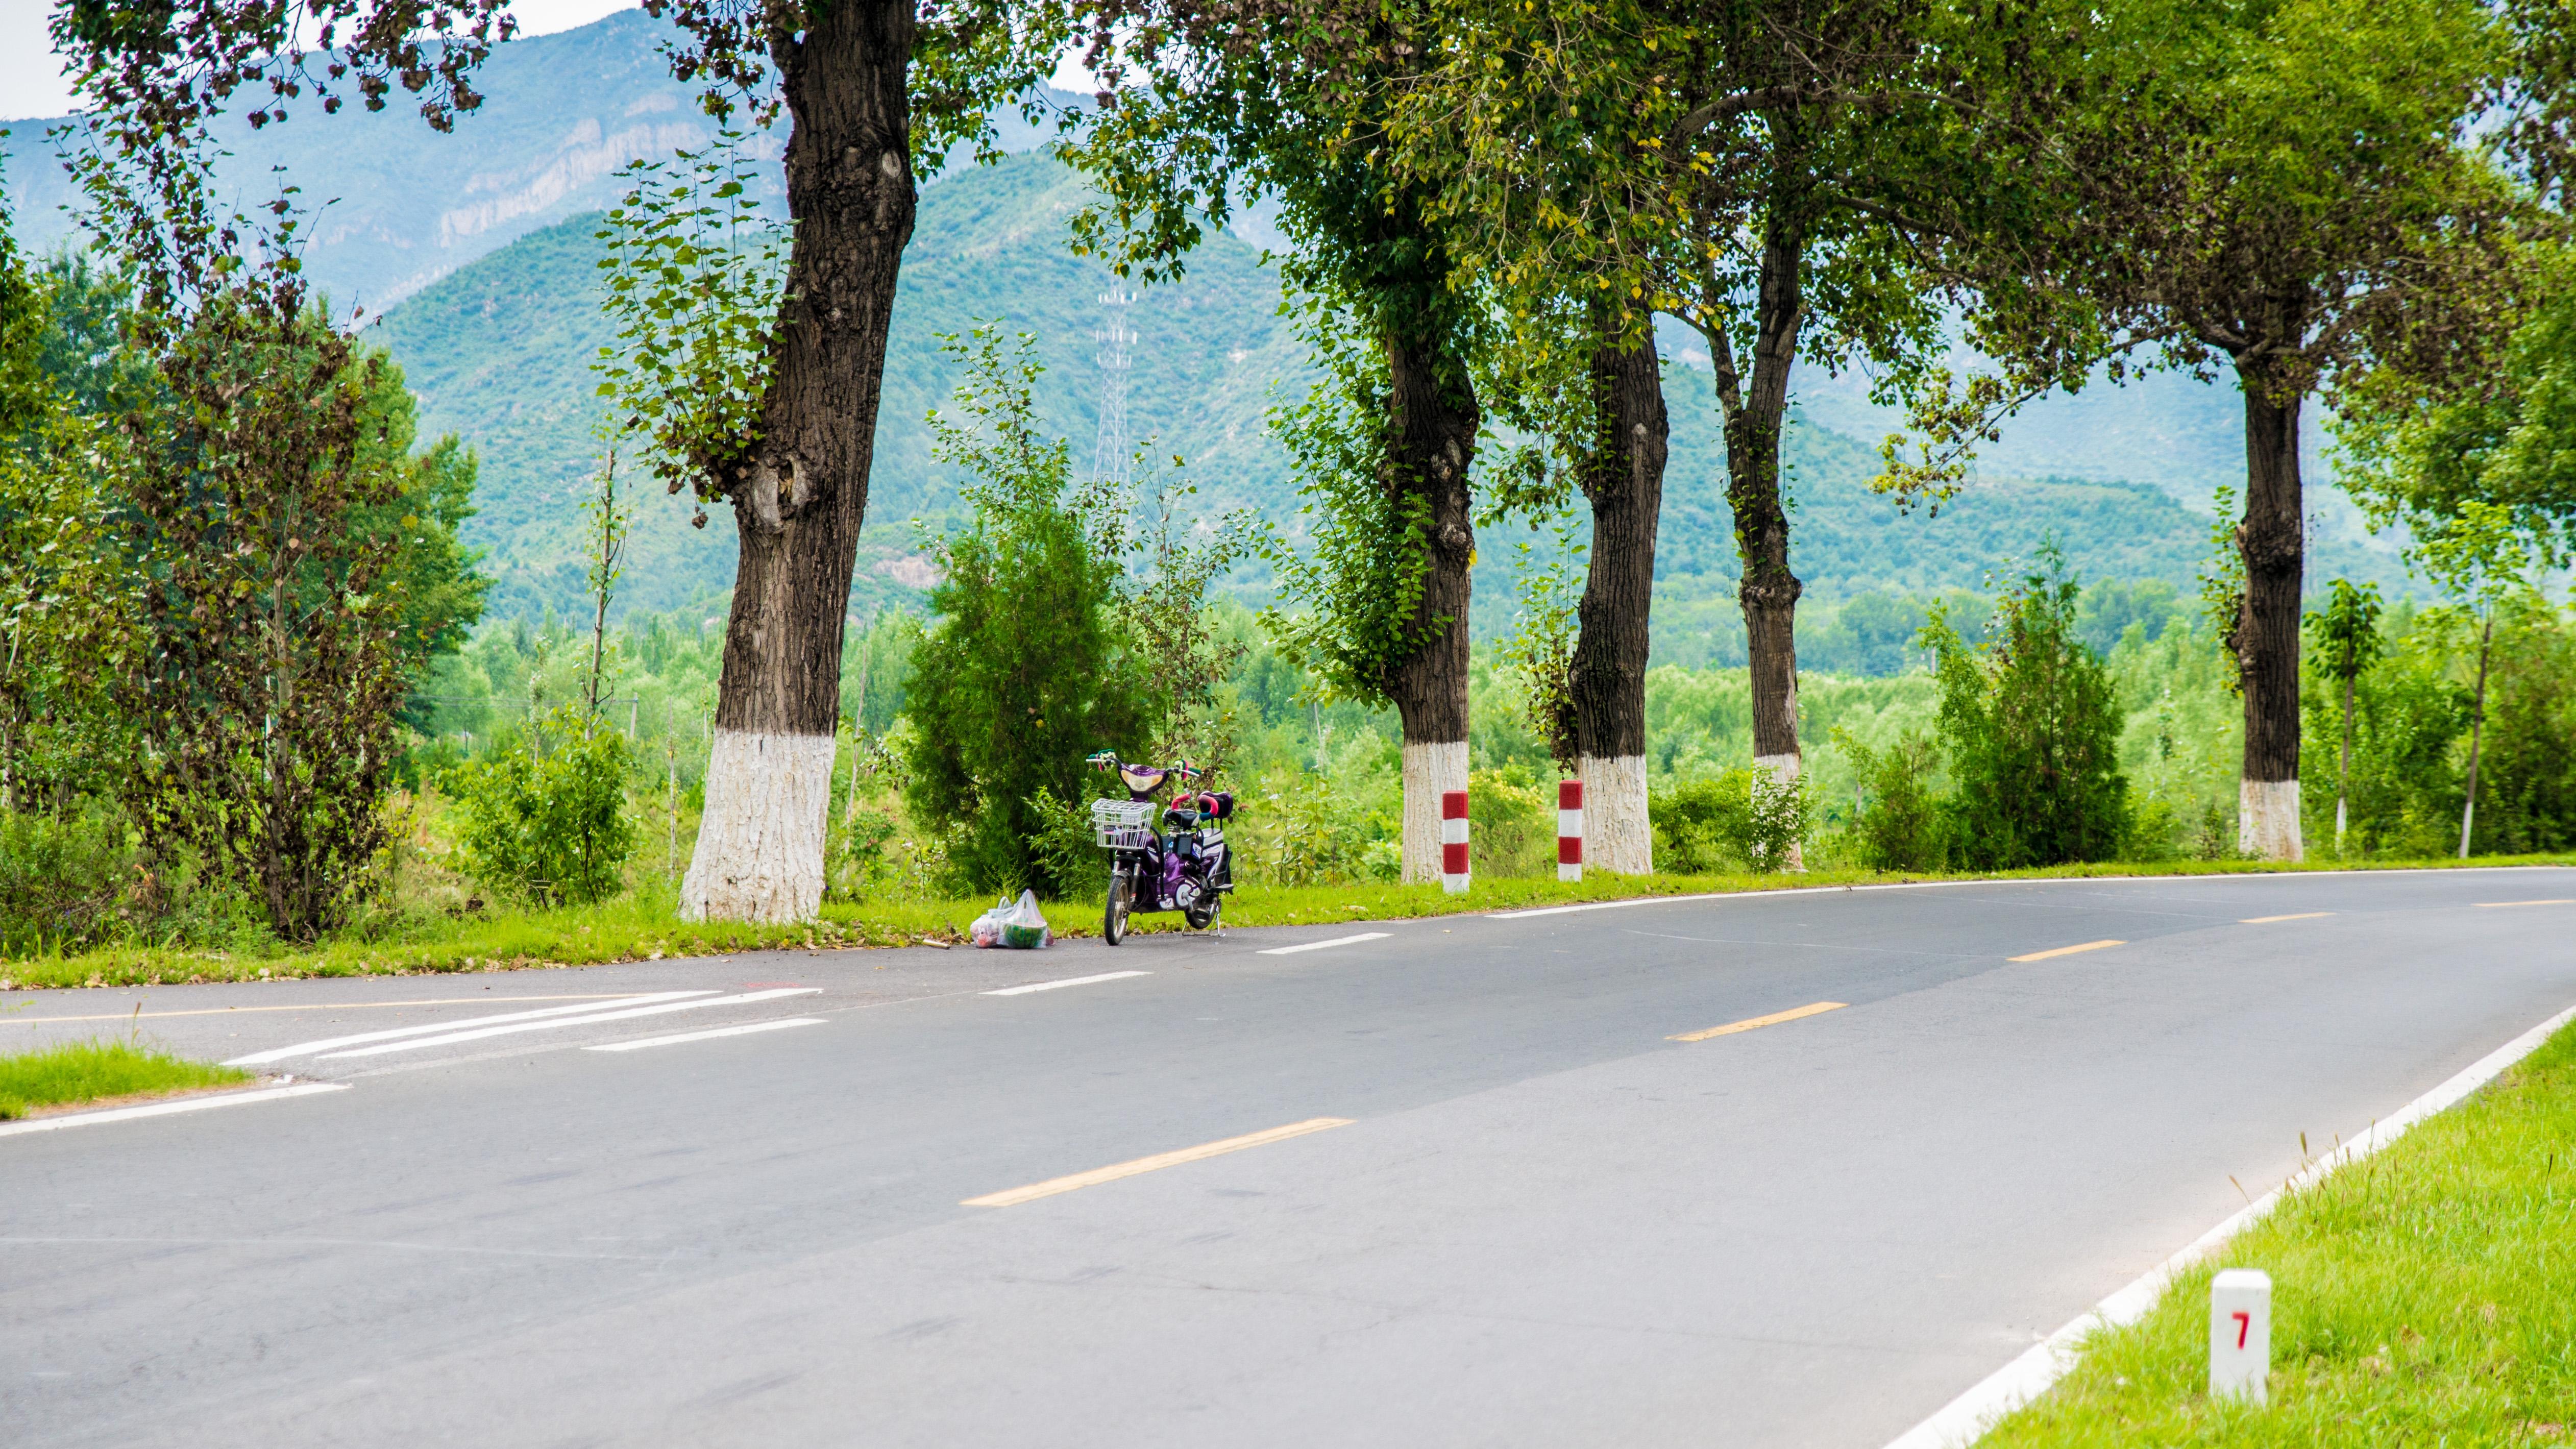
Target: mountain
(394,205)
(500,351)
(475,251)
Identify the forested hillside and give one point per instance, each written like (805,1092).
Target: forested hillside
(499,354)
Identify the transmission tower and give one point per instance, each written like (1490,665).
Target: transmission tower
(1110,460)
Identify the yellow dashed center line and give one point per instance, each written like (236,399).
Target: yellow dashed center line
(1099,1175)
(2494,905)
(2066,950)
(1750,1022)
(2267,920)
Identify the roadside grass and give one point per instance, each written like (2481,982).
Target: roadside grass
(87,1071)
(645,924)
(2425,1295)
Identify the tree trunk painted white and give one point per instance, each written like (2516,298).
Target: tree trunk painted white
(1617,836)
(760,842)
(1429,771)
(1785,770)
(2267,819)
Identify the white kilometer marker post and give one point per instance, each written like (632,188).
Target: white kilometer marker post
(1453,842)
(1569,830)
(2240,1334)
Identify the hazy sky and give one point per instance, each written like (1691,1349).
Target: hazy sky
(31,81)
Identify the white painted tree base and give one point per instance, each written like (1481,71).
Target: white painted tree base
(1429,770)
(1617,835)
(760,841)
(1785,770)
(2267,819)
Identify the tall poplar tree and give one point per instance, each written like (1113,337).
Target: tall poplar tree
(1766,171)
(1234,100)
(872,91)
(2315,208)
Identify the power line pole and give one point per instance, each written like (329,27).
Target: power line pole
(1111,459)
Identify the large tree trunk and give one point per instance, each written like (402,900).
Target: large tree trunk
(1624,479)
(799,503)
(1768,591)
(2270,542)
(1432,439)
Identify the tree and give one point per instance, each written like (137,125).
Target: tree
(1245,98)
(2030,724)
(1027,666)
(874,93)
(2480,559)
(2347,640)
(2313,207)
(1765,171)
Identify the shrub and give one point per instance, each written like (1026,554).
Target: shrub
(2031,727)
(1903,825)
(1742,819)
(1511,823)
(1026,668)
(544,819)
(61,881)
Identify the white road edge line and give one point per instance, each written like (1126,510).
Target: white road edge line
(1965,1419)
(168,1109)
(301,1048)
(709,1035)
(1935,885)
(1320,945)
(477,1035)
(1068,981)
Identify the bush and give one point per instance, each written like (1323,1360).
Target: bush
(1902,826)
(61,881)
(1511,824)
(2030,724)
(1742,819)
(1026,669)
(544,819)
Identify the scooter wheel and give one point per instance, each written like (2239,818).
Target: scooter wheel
(1113,920)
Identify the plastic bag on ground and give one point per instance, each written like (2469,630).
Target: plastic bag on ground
(1014,925)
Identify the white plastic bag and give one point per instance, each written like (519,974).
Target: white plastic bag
(1018,926)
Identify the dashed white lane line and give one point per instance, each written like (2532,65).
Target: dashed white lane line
(1320,945)
(1068,981)
(710,1035)
(167,1109)
(480,1033)
(306,1048)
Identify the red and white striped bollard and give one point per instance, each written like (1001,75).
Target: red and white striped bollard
(1569,830)
(1453,841)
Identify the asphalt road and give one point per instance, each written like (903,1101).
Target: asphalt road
(1541,1221)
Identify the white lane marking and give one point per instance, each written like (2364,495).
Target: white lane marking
(1320,945)
(709,1035)
(167,1109)
(303,1048)
(490,1031)
(1936,885)
(1068,981)
(1636,901)
(1966,1418)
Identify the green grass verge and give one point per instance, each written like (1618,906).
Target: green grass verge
(2424,1296)
(86,1071)
(645,926)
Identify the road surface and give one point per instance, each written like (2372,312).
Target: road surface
(1516,1208)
